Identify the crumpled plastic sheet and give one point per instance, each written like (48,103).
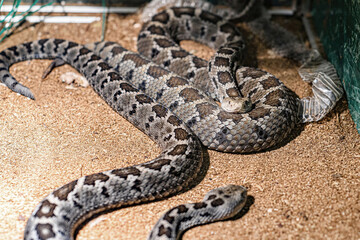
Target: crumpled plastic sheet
(326,87)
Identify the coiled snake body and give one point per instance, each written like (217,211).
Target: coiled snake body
(170,111)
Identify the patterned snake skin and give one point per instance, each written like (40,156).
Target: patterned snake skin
(159,38)
(185,216)
(154,101)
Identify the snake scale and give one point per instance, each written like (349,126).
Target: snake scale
(171,111)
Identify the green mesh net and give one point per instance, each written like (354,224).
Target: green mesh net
(338,24)
(13,19)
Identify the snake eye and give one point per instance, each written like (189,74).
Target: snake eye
(247,105)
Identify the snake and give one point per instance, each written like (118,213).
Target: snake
(178,115)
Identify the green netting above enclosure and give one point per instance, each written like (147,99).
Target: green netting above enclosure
(338,24)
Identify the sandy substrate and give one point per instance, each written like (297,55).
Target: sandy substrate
(307,188)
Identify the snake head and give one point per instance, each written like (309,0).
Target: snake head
(236,104)
(227,201)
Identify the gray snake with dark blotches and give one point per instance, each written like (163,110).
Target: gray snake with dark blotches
(170,110)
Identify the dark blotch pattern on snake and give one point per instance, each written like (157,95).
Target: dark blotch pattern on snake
(169,110)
